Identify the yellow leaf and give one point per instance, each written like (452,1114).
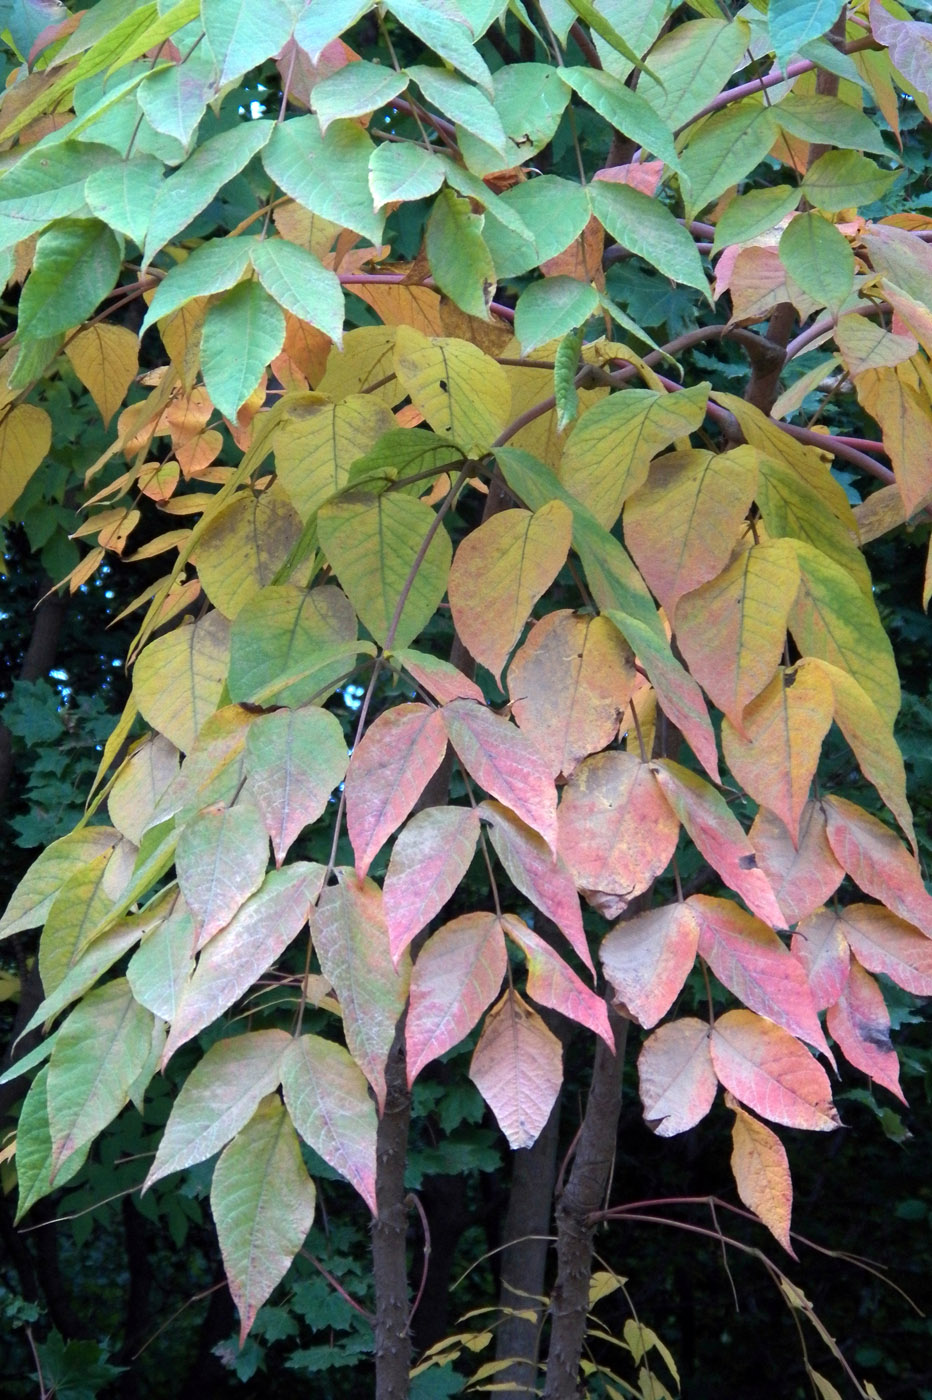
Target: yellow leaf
(244,545)
(366,359)
(882,512)
(105,358)
(864,345)
(462,393)
(498,574)
(403,304)
(897,400)
(178,679)
(25,438)
(181,336)
(530,386)
(762,1173)
(316,442)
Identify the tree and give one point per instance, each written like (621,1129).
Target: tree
(518,640)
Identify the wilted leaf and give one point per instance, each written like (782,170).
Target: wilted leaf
(105,358)
(823,950)
(244,546)
(762,1174)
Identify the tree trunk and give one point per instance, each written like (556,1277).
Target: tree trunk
(389,1230)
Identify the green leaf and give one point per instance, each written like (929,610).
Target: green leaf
(830,122)
(100,1051)
(793,23)
(691,65)
(221,860)
(448,37)
(179,678)
(294,761)
(214,267)
(459,259)
(461,102)
(191,188)
(624,110)
(34,1149)
(262,1201)
(248,318)
(47,184)
(553,211)
(725,148)
(530,100)
(123,195)
(374,544)
(600,25)
(843,179)
(162,964)
(77,263)
(328,1098)
(318,24)
(649,229)
(551,308)
(242,35)
(175,99)
(80,906)
(355,90)
(819,259)
(288,645)
(399,171)
(328,174)
(34,895)
(753,213)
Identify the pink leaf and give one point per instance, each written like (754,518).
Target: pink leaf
(719,837)
(820,944)
(748,958)
(771,1072)
(553,983)
(878,862)
(329,1102)
(505,763)
(458,972)
(428,861)
(647,959)
(439,678)
(388,771)
(677,1081)
(351,939)
(517,1067)
(542,877)
(883,943)
(860,1026)
(803,878)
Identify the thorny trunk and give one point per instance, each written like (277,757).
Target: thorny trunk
(389,1256)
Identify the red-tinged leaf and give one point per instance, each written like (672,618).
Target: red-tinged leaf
(517,1067)
(541,877)
(569,684)
(219,1097)
(881,942)
(682,525)
(719,837)
(505,763)
(351,940)
(388,771)
(803,877)
(220,861)
(294,760)
(429,859)
(677,1081)
(732,631)
(820,944)
(239,954)
(498,573)
(776,756)
(328,1098)
(859,1024)
(617,830)
(647,959)
(749,959)
(878,862)
(553,983)
(762,1173)
(439,678)
(262,1201)
(457,974)
(771,1072)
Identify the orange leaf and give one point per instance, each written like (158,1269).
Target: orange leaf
(768,1070)
(762,1173)
(896,398)
(883,943)
(647,959)
(676,1077)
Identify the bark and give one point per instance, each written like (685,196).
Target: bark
(389,1230)
(584,1193)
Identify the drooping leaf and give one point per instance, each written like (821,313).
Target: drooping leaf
(221,860)
(517,1067)
(317,442)
(76,913)
(294,760)
(552,982)
(447,34)
(676,1078)
(463,394)
(505,763)
(292,646)
(327,173)
(769,1071)
(34,1157)
(824,952)
(859,1024)
(25,438)
(647,959)
(262,1201)
(351,939)
(540,875)
(819,259)
(898,400)
(178,678)
(299,282)
(719,836)
(457,974)
(804,875)
(690,65)
(160,967)
(387,773)
(877,861)
(624,110)
(762,1174)
(842,179)
(569,683)
(76,263)
(884,943)
(725,149)
(499,572)
(429,859)
(218,1098)
(646,227)
(105,358)
(233,961)
(329,1101)
(97,1055)
(248,318)
(355,90)
(244,545)
(459,259)
(33,897)
(552,308)
(441,679)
